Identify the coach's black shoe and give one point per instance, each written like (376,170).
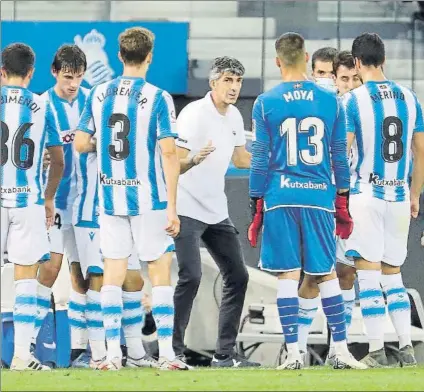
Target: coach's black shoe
(235,361)
(407,357)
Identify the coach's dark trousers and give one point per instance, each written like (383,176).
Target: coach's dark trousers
(222,243)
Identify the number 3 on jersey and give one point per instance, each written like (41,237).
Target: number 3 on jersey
(292,127)
(121,127)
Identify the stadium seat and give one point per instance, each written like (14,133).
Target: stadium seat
(133,10)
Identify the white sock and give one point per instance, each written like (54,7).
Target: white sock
(132,323)
(372,307)
(24,313)
(288,310)
(349,303)
(96,331)
(163,314)
(399,307)
(111,299)
(307,310)
(44,295)
(77,320)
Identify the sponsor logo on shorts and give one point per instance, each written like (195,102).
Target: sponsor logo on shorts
(288,183)
(17,189)
(105,180)
(91,234)
(375,180)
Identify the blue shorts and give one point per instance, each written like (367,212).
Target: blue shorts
(298,238)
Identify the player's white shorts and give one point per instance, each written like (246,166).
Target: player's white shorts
(90,257)
(62,236)
(24,234)
(341,253)
(119,234)
(380,231)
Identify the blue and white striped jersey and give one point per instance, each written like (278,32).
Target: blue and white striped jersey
(86,205)
(299,142)
(67,115)
(383,116)
(129,116)
(27,127)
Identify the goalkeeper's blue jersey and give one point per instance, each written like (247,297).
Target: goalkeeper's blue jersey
(299,140)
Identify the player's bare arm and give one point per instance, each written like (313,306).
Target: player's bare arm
(57,164)
(417,172)
(186,162)
(84,142)
(171,169)
(241,157)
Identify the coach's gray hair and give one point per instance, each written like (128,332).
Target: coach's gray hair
(225,64)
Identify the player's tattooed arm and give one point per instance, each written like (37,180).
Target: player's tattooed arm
(84,142)
(171,170)
(57,164)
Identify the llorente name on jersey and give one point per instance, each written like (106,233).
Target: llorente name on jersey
(124,91)
(13,98)
(104,180)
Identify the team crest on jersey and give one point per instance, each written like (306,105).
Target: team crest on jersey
(382,86)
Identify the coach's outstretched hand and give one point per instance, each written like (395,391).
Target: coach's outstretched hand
(344,222)
(257,210)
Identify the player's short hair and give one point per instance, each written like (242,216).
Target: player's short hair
(69,58)
(343,58)
(17,59)
(135,44)
(369,49)
(290,48)
(326,55)
(225,64)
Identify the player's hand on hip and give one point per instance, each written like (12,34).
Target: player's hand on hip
(257,211)
(173,227)
(344,222)
(203,153)
(49,206)
(415,206)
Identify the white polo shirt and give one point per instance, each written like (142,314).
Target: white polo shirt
(201,192)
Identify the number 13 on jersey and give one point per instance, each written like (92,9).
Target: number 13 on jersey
(291,127)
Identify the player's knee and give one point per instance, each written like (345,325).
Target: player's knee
(95,281)
(309,287)
(133,281)
(77,279)
(387,269)
(48,273)
(346,276)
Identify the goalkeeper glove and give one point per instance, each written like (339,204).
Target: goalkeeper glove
(256,208)
(344,223)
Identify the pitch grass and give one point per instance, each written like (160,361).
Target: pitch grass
(313,379)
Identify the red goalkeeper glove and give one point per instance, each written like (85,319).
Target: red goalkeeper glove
(256,208)
(344,222)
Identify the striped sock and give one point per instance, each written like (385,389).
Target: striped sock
(163,314)
(111,300)
(44,295)
(96,331)
(399,307)
(372,307)
(77,320)
(132,323)
(333,307)
(288,310)
(307,310)
(24,316)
